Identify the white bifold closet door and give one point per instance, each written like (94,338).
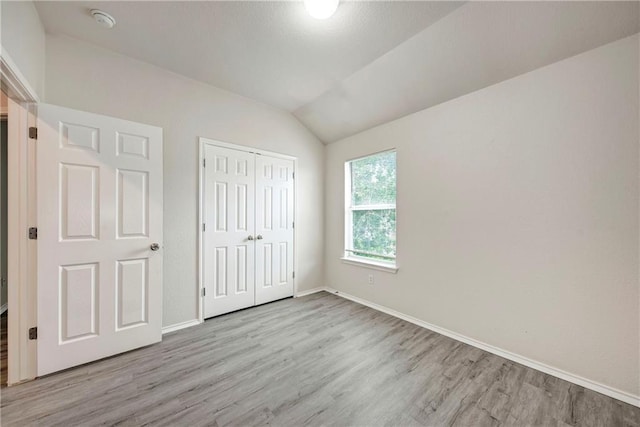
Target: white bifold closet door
(248,229)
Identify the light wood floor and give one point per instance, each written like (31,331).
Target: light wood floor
(316,360)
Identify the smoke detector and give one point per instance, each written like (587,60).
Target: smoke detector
(103,18)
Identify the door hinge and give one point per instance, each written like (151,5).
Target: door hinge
(294,175)
(33,132)
(294,274)
(204,163)
(33,233)
(204,227)
(33,333)
(293,224)
(204,292)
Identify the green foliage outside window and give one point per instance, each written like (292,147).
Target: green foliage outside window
(373,198)
(374,232)
(373,180)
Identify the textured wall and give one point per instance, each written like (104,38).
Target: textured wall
(517,216)
(85,77)
(22,37)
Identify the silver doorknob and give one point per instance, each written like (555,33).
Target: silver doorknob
(259,237)
(154,247)
(250,237)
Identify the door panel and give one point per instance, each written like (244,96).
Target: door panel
(132,290)
(79,216)
(133,203)
(99,209)
(229,212)
(274,228)
(78,301)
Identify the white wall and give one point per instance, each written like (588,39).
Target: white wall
(23,38)
(85,77)
(517,216)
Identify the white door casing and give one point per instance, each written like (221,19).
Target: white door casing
(274,228)
(99,188)
(229,228)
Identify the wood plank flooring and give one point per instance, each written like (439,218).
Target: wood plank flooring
(316,360)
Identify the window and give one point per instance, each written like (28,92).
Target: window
(370,234)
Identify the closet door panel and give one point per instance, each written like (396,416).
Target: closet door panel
(274,228)
(229,221)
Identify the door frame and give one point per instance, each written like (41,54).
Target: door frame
(21,214)
(202,142)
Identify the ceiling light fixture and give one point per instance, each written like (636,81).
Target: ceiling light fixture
(103,18)
(321,9)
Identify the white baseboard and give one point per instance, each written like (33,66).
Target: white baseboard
(576,379)
(4,307)
(178,326)
(309,292)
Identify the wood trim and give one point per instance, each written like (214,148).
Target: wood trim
(14,84)
(370,264)
(308,292)
(21,153)
(244,148)
(199,296)
(559,373)
(21,271)
(181,325)
(295,229)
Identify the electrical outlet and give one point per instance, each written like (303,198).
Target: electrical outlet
(371,279)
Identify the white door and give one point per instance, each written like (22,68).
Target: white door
(99,185)
(229,249)
(274,228)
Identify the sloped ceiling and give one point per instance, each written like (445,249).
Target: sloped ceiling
(271,51)
(370,63)
(477,45)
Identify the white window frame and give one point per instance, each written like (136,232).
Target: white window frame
(349,256)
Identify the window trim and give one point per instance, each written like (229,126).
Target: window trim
(369,263)
(347,254)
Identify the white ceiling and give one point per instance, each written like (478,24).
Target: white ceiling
(271,51)
(477,45)
(372,62)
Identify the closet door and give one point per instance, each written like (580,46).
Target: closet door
(274,228)
(229,212)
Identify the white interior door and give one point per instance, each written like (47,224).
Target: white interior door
(99,201)
(229,249)
(274,228)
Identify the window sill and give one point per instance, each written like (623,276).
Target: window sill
(370,264)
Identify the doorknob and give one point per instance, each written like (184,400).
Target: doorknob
(154,247)
(250,237)
(259,237)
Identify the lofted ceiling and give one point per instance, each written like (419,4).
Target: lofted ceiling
(271,51)
(477,45)
(372,62)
